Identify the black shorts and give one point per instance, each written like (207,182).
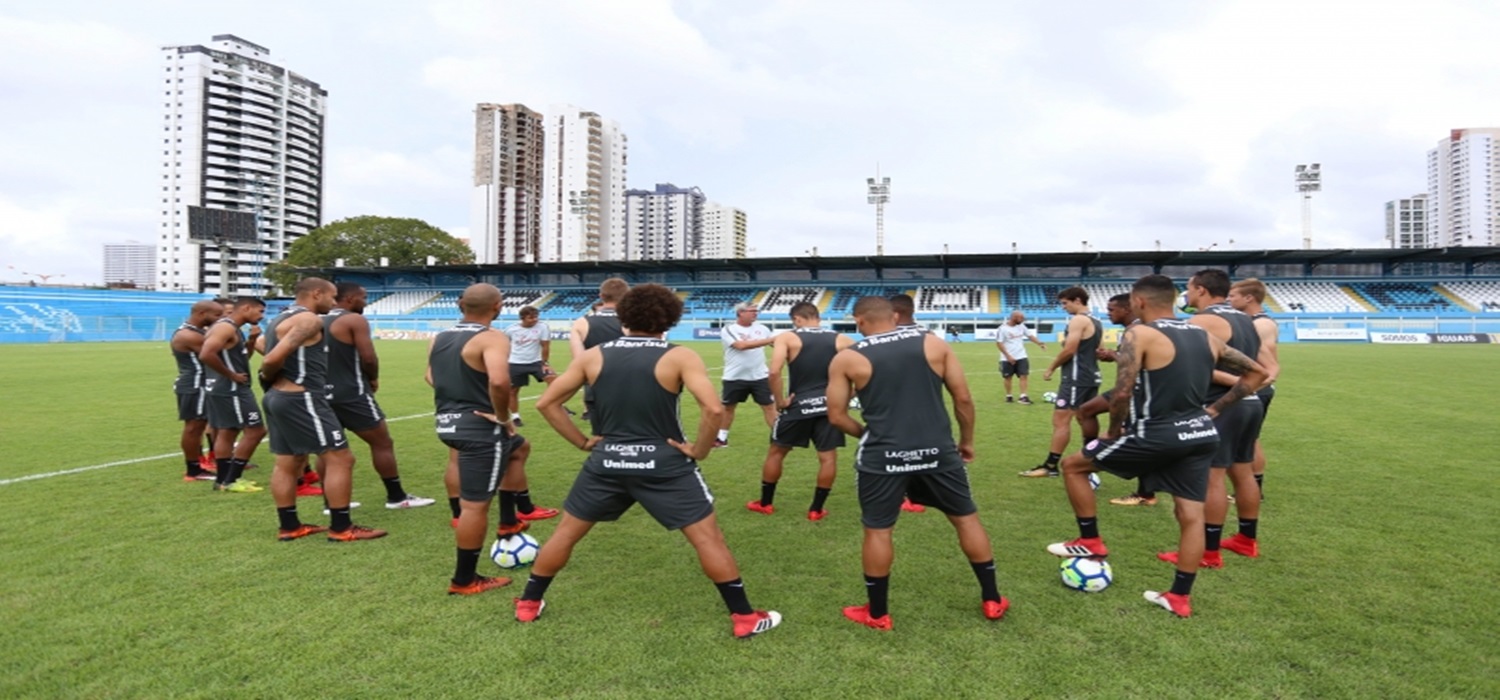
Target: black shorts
(234,412)
(481,463)
(521,375)
(674,501)
(302,423)
(817,432)
(358,414)
(1021,367)
(1239,428)
(880,495)
(1181,470)
(1266,395)
(1070,397)
(192,406)
(736,391)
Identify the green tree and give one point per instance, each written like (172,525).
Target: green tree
(362,241)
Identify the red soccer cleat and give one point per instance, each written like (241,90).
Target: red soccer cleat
(747,626)
(910,507)
(1242,545)
(309,478)
(762,509)
(816,515)
(504,531)
(1180,605)
(529,610)
(994,609)
(355,533)
(304,491)
(302,531)
(1092,547)
(538,513)
(861,614)
(1211,560)
(479,585)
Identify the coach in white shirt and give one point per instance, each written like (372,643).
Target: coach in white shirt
(745,372)
(1011,339)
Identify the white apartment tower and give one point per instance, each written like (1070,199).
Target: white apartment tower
(505,215)
(665,223)
(1406,222)
(240,132)
(583,210)
(1463,189)
(723,232)
(130,264)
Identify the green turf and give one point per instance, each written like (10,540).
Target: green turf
(1377,576)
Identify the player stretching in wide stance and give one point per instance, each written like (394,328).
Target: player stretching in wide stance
(906,447)
(353,379)
(803,416)
(295,373)
(1249,296)
(187,342)
(1159,429)
(468,367)
(639,453)
(1080,374)
(231,401)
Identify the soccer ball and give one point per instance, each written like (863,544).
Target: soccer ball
(1184,306)
(854,404)
(1087,575)
(1094,480)
(515,551)
(1049,396)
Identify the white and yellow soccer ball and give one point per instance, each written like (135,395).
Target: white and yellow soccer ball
(1049,396)
(515,551)
(1087,575)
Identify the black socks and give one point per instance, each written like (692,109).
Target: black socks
(985,572)
(767,492)
(393,491)
(1211,536)
(733,593)
(536,587)
(1088,528)
(288,518)
(1182,584)
(878,588)
(339,519)
(467,564)
(1248,527)
(820,496)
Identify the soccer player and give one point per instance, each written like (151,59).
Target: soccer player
(186,343)
(231,402)
(639,452)
(1011,339)
(905,309)
(1120,314)
(1249,296)
(600,326)
(530,356)
(1238,426)
(803,412)
(353,379)
(745,372)
(1080,374)
(1160,431)
(295,372)
(907,447)
(468,366)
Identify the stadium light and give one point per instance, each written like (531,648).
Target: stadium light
(1309,179)
(879,194)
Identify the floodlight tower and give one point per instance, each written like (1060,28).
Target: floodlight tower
(1309,179)
(879,194)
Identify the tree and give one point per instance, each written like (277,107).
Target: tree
(362,241)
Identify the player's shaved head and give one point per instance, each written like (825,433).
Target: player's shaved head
(875,308)
(312,285)
(344,290)
(1155,291)
(206,307)
(479,298)
(902,304)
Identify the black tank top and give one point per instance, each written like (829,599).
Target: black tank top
(346,377)
(1083,368)
(189,367)
(808,373)
(459,390)
(604,326)
(307,365)
(1243,337)
(906,423)
(1166,404)
(236,358)
(634,414)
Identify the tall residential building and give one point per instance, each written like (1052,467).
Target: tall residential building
(1406,222)
(240,132)
(723,232)
(583,214)
(130,264)
(505,215)
(1463,189)
(665,223)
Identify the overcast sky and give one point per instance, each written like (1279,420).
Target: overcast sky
(1039,124)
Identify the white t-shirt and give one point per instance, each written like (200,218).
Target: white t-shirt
(744,365)
(1014,339)
(526,343)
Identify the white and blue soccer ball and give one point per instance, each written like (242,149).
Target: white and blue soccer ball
(854,404)
(1049,396)
(515,551)
(1087,575)
(1184,306)
(1094,480)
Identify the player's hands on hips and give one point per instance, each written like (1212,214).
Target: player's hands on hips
(967,452)
(588,445)
(1211,412)
(686,448)
(509,429)
(240,378)
(785,403)
(374,385)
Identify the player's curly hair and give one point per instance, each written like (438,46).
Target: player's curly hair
(649,308)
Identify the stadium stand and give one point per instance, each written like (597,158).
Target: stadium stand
(441,306)
(1312,297)
(515,299)
(966,299)
(1032,298)
(1404,297)
(716,302)
(844,298)
(399,303)
(1480,296)
(571,303)
(779,300)
(1100,292)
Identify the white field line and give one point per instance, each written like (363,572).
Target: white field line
(138,460)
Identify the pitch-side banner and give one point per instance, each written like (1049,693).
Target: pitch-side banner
(1447,338)
(1400,338)
(986,333)
(1332,334)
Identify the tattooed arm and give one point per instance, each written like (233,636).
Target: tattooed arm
(1252,375)
(1129,362)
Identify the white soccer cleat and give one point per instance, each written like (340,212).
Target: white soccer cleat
(411,501)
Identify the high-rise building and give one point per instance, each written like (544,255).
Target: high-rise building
(1463,189)
(130,264)
(583,211)
(1406,222)
(665,223)
(240,132)
(505,220)
(723,232)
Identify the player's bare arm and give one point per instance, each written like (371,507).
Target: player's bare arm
(1129,366)
(1076,326)
(561,390)
(221,336)
(576,334)
(1251,375)
(692,375)
(958,387)
(495,356)
(427,376)
(780,355)
(1270,356)
(840,388)
(355,330)
(295,332)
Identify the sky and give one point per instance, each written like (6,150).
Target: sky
(1038,126)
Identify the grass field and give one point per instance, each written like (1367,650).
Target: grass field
(1377,575)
